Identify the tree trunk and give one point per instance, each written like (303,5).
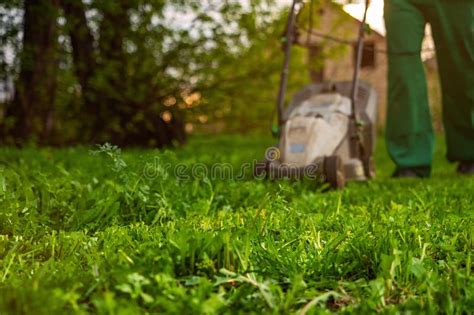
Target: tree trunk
(33,107)
(115,103)
(85,62)
(81,41)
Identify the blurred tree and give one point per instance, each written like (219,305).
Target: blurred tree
(32,110)
(84,58)
(132,72)
(115,77)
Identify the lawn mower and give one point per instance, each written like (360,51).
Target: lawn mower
(328,129)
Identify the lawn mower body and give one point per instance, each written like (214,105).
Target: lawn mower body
(328,129)
(320,138)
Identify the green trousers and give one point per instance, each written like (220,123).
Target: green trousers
(409,131)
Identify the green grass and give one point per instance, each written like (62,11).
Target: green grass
(96,233)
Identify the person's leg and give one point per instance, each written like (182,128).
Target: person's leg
(409,130)
(453,31)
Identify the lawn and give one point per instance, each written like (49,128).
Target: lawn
(101,231)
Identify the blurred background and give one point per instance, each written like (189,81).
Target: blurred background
(152,72)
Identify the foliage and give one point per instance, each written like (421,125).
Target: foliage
(107,231)
(130,72)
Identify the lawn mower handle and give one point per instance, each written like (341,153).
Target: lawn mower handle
(290,25)
(359,53)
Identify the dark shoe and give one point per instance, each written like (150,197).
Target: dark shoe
(466,168)
(412,172)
